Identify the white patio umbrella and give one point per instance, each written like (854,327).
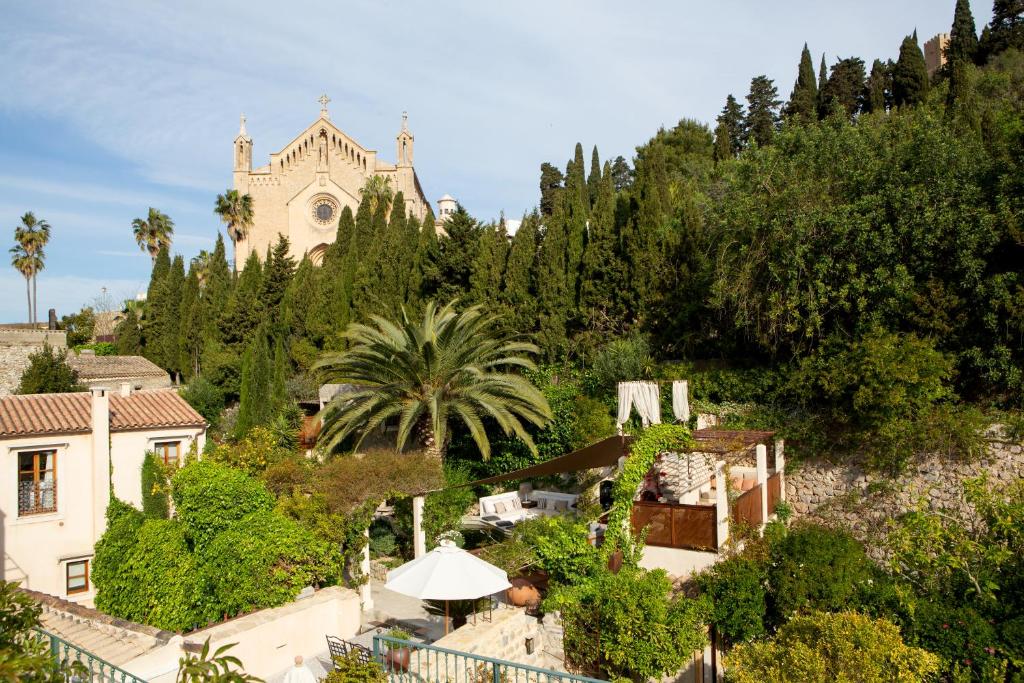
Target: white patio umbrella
(447,573)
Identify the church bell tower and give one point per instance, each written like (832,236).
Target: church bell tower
(403,143)
(243,152)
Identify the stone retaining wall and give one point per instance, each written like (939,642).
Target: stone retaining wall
(864,502)
(503,636)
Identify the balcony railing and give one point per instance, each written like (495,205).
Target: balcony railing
(80,665)
(431,663)
(37,497)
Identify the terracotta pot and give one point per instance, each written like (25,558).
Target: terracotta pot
(522,593)
(397,659)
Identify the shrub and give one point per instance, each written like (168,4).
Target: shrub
(253,453)
(284,475)
(263,560)
(111,574)
(382,539)
(24,657)
(814,568)
(959,635)
(156,487)
(206,397)
(209,497)
(736,589)
(622,360)
(442,510)
(628,625)
(48,372)
(821,648)
(349,669)
(561,546)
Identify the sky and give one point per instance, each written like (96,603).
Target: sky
(108,108)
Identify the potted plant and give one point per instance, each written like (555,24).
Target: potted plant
(522,593)
(397,656)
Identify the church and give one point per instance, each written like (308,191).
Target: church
(303,190)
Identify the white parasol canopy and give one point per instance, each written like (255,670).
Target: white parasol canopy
(447,573)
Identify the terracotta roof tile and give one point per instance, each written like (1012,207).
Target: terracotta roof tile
(101,367)
(71,413)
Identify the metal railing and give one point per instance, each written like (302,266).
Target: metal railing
(406,661)
(80,665)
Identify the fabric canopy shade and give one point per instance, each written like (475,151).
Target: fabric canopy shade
(447,573)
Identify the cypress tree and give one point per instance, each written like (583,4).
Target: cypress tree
(362,236)
(762,110)
(245,308)
(602,266)
(485,281)
(803,102)
(553,300)
(425,245)
(574,214)
(338,275)
(963,36)
(594,179)
(190,319)
(129,335)
(731,121)
(306,313)
(910,77)
(877,88)
(517,291)
(216,292)
(822,80)
(550,187)
(723,146)
(448,263)
(255,407)
(166,326)
(282,369)
(278,273)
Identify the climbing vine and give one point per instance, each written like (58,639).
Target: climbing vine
(643,452)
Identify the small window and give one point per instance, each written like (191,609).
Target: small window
(168,450)
(78,577)
(37,482)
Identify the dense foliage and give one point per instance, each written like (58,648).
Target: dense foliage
(23,657)
(628,625)
(155,486)
(48,372)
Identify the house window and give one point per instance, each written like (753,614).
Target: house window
(78,577)
(168,450)
(37,482)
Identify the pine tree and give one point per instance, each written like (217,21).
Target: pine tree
(1005,31)
(910,77)
(803,102)
(877,96)
(255,407)
(550,187)
(448,263)
(594,179)
(731,121)
(845,90)
(762,111)
(963,36)
(517,290)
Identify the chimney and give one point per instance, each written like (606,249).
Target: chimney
(126,388)
(100,410)
(51,322)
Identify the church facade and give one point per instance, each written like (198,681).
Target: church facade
(302,191)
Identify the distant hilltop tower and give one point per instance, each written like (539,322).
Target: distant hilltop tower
(446,206)
(935,53)
(302,191)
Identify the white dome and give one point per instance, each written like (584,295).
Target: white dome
(446,198)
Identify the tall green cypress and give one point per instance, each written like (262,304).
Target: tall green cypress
(877,95)
(152,322)
(255,407)
(306,313)
(762,110)
(910,77)
(168,324)
(129,335)
(517,291)
(279,377)
(602,265)
(575,212)
(425,245)
(723,146)
(803,102)
(553,297)
(730,120)
(216,292)
(190,320)
(594,179)
(278,272)
(822,80)
(963,36)
(485,281)
(245,308)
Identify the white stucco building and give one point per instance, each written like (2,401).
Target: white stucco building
(60,456)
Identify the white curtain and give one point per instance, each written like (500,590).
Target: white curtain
(645,397)
(681,400)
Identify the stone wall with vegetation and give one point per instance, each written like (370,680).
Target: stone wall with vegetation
(503,636)
(862,501)
(16,345)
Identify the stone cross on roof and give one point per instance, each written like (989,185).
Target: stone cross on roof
(324,99)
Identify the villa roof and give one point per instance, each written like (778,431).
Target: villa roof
(35,414)
(90,367)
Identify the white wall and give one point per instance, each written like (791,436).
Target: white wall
(128,450)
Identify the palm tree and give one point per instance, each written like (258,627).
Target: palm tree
(378,189)
(154,232)
(32,237)
(425,373)
(23,263)
(235,211)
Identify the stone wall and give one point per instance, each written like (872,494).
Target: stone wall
(503,636)
(16,345)
(864,502)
